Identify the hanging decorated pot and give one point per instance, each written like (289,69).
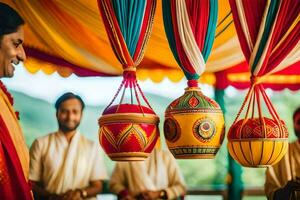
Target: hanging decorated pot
(259,137)
(258,142)
(128,131)
(194,123)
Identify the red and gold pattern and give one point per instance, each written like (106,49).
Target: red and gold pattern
(258,142)
(127,134)
(194,126)
(253,128)
(9,97)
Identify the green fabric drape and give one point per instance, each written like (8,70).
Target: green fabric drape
(130,15)
(211,29)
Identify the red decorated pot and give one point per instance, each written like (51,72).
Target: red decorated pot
(128,132)
(258,142)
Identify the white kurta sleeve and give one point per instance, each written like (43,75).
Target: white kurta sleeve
(271,184)
(117,181)
(177,186)
(277,176)
(99,171)
(35,170)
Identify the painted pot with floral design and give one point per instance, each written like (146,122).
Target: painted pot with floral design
(128,132)
(257,142)
(194,126)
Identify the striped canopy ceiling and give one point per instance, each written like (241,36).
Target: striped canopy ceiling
(69,37)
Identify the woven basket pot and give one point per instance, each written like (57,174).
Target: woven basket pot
(257,142)
(194,126)
(128,132)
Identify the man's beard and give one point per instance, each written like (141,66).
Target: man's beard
(66,129)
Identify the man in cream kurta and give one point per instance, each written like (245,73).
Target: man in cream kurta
(282,179)
(158,177)
(65,164)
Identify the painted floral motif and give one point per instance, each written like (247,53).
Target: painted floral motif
(204,129)
(171,130)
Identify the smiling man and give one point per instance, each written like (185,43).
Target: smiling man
(14,158)
(11,38)
(65,164)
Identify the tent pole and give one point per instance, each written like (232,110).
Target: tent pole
(234,179)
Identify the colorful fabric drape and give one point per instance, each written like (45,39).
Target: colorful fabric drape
(128,25)
(267,38)
(56,40)
(270,36)
(190,28)
(53,45)
(44,48)
(238,77)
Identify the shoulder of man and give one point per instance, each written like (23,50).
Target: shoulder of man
(87,140)
(166,152)
(43,139)
(93,145)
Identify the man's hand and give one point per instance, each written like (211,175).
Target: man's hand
(72,195)
(150,195)
(55,197)
(128,197)
(286,191)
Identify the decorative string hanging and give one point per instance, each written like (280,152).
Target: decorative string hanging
(258,138)
(194,123)
(128,131)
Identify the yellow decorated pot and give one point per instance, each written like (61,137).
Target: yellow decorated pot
(257,142)
(194,126)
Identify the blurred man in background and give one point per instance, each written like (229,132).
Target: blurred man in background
(65,164)
(282,179)
(158,177)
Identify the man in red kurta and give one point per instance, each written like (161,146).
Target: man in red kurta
(14,157)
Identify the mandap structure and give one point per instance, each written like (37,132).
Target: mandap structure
(247,51)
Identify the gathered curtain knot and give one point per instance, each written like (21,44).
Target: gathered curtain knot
(255,80)
(192,83)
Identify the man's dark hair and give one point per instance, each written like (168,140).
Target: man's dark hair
(67,96)
(296,112)
(10,20)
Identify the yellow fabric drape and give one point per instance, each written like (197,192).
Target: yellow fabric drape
(65,36)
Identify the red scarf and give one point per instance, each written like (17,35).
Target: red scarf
(13,184)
